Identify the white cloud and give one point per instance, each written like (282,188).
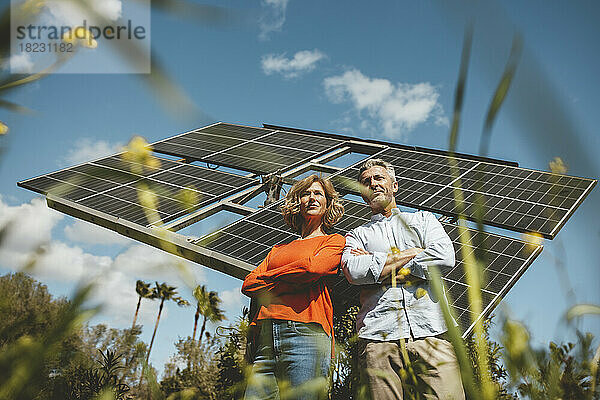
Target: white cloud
(73,13)
(30,238)
(232,300)
(85,232)
(87,149)
(19,63)
(110,9)
(302,62)
(273,17)
(29,224)
(154,264)
(394,109)
(61,262)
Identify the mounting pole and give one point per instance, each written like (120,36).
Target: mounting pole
(273,183)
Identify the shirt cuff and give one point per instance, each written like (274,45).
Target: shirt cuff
(377,262)
(417,269)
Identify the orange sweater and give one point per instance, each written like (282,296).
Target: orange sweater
(289,282)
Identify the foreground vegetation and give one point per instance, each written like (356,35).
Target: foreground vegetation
(47,351)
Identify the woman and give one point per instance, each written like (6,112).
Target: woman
(294,320)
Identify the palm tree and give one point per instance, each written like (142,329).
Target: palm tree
(207,304)
(162,292)
(144,292)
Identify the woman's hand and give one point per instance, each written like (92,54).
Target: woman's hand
(359,252)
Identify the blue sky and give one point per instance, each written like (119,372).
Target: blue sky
(385,70)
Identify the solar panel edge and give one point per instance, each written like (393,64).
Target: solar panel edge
(24,185)
(258,137)
(94,161)
(20,183)
(82,212)
(493,234)
(572,210)
(499,296)
(198,130)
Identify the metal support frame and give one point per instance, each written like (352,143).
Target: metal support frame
(272,184)
(235,202)
(238,208)
(232,202)
(318,163)
(158,237)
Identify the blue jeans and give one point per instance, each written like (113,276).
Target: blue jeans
(291,362)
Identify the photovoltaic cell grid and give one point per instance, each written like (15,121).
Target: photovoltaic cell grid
(506,260)
(257,150)
(203,142)
(514,198)
(251,238)
(113,186)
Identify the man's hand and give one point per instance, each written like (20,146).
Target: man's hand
(407,254)
(395,262)
(359,252)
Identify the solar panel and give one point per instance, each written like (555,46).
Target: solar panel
(200,143)
(113,186)
(251,238)
(514,198)
(257,150)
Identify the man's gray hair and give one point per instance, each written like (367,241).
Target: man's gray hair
(377,162)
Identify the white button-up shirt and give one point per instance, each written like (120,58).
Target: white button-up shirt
(389,313)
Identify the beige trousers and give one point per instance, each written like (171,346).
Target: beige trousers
(432,359)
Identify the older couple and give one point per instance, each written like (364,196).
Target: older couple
(294,318)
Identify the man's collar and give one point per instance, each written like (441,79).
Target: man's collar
(380,217)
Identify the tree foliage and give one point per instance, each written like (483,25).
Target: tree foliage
(231,359)
(144,292)
(26,308)
(163,292)
(193,367)
(345,377)
(89,383)
(212,369)
(497,372)
(208,305)
(564,371)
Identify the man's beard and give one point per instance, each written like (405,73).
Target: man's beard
(380,201)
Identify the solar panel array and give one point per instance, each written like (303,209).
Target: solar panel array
(114,186)
(257,150)
(514,198)
(251,238)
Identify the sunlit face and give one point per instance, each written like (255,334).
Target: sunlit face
(313,202)
(377,187)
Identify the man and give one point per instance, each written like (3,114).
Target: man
(397,247)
